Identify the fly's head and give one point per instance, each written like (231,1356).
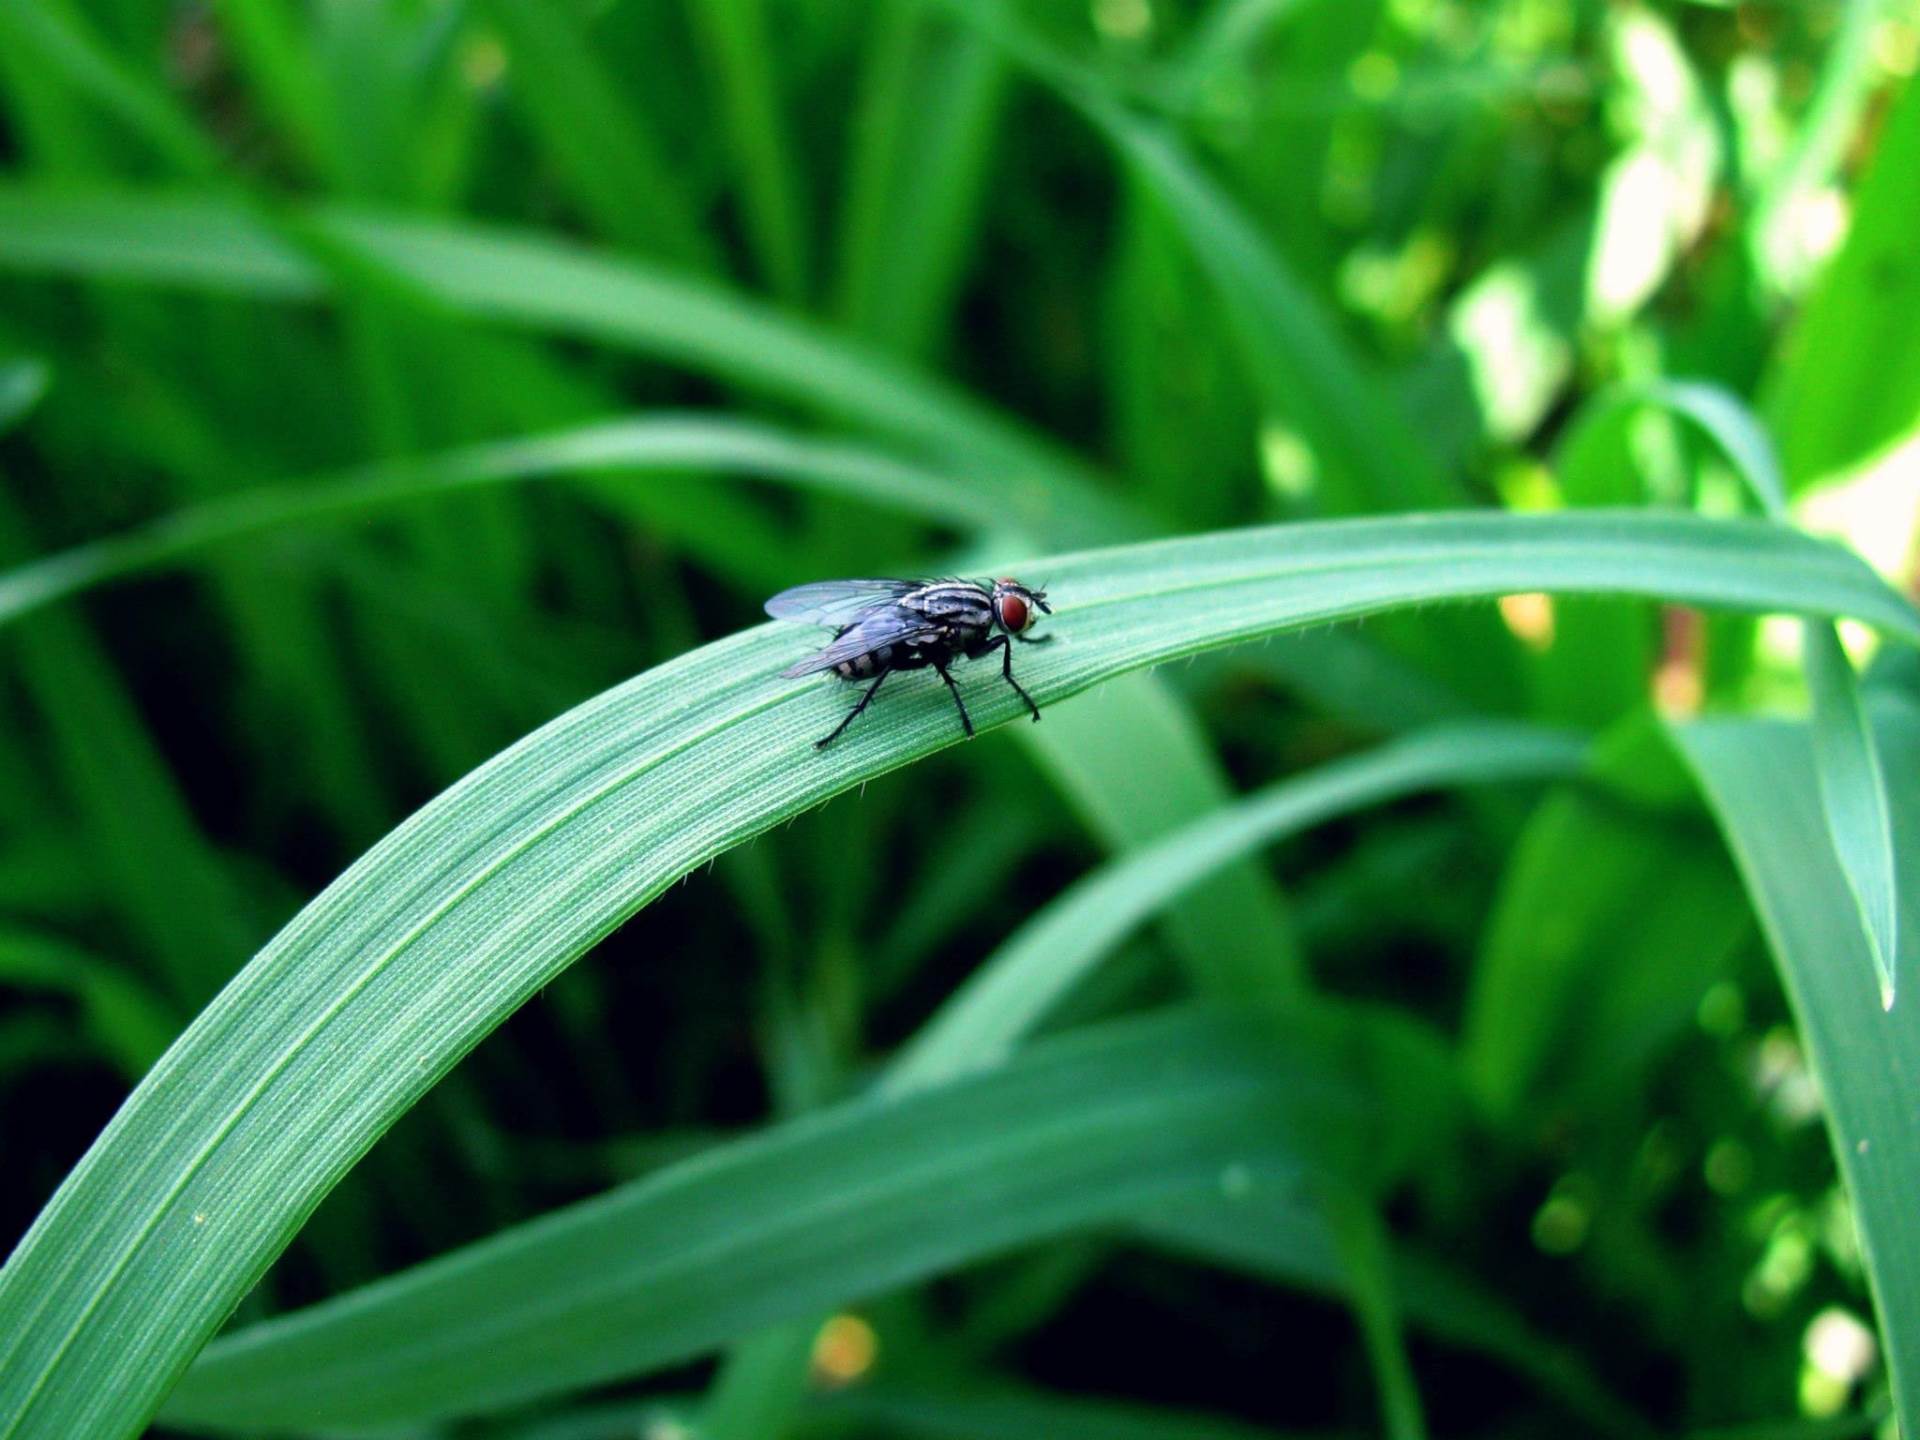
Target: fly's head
(1017,606)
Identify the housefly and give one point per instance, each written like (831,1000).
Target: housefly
(880,626)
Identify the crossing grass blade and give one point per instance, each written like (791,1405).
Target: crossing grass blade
(459,916)
(820,1211)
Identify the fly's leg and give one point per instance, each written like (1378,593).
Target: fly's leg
(865,700)
(999,642)
(1034,639)
(966,721)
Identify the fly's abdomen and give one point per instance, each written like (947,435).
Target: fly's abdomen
(865,667)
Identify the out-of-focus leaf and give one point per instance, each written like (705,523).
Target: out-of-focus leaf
(22,383)
(663,442)
(1611,923)
(1038,964)
(1232,932)
(1849,379)
(823,1210)
(547,285)
(587,117)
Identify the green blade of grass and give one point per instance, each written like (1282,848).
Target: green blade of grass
(598,139)
(443,929)
(1030,973)
(1852,782)
(171,889)
(1853,794)
(1027,977)
(60,40)
(1304,367)
(823,1210)
(1760,780)
(1232,932)
(922,131)
(551,286)
(1848,378)
(651,442)
(1611,921)
(734,36)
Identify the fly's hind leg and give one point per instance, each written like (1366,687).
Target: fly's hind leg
(1000,643)
(865,700)
(966,721)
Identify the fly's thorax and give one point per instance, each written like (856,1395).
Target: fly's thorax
(952,602)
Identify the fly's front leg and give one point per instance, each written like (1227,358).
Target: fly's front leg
(865,700)
(999,642)
(966,721)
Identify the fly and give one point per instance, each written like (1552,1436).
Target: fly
(880,626)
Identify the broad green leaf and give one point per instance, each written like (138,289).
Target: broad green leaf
(1760,780)
(823,1210)
(1848,382)
(1036,966)
(538,283)
(463,913)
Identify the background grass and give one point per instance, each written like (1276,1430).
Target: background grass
(381,380)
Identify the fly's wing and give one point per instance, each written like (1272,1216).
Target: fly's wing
(870,632)
(835,602)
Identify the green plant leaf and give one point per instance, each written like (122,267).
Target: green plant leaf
(734,36)
(22,383)
(589,121)
(1301,364)
(1848,381)
(1036,966)
(1852,785)
(1853,793)
(538,283)
(824,1210)
(1611,921)
(649,442)
(1761,782)
(463,913)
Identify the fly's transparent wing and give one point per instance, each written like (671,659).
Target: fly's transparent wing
(869,633)
(835,602)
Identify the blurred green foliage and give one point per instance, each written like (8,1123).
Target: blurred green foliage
(380,378)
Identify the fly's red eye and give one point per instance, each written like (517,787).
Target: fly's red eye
(1013,612)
